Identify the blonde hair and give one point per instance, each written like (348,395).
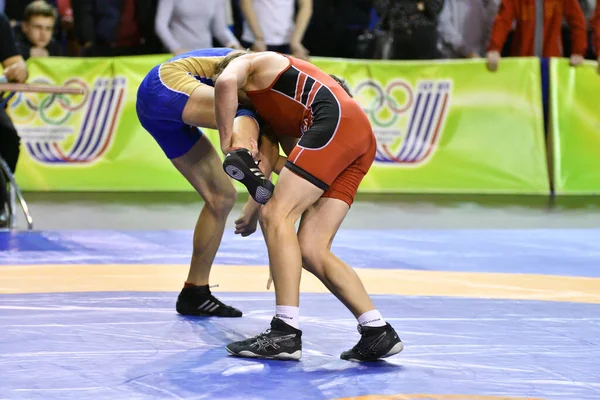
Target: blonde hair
(221,65)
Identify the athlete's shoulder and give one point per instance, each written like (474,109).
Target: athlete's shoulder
(307,67)
(335,84)
(269,61)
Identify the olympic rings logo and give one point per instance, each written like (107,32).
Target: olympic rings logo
(25,106)
(84,139)
(408,121)
(378,100)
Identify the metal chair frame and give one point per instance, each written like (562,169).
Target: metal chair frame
(14,194)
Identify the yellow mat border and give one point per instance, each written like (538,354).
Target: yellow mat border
(66,278)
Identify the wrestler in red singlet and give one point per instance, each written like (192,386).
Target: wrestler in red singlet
(335,151)
(337,145)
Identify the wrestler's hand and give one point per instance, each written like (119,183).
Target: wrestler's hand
(238,143)
(245,225)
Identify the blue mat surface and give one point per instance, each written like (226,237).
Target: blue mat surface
(566,252)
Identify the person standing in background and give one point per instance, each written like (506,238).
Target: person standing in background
(63,31)
(342,22)
(14,70)
(67,27)
(538,34)
(412,26)
(270,25)
(109,28)
(325,22)
(184,25)
(237,18)
(538,29)
(14,10)
(35,39)
(354,17)
(464,27)
(587,6)
(595,23)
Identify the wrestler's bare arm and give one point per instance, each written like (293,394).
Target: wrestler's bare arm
(233,78)
(246,73)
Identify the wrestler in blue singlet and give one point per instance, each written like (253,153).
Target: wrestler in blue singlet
(164,92)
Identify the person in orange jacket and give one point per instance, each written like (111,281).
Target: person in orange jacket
(595,23)
(529,40)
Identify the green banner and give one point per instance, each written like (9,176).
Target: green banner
(452,126)
(441,127)
(575,105)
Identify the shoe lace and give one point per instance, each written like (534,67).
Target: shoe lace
(263,334)
(263,340)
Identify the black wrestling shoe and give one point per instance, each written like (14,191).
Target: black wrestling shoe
(198,301)
(281,342)
(240,165)
(376,342)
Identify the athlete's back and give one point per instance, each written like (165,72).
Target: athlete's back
(300,96)
(208,52)
(200,64)
(337,145)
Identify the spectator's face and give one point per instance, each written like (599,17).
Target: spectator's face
(39,30)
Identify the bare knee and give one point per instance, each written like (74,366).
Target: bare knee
(313,254)
(221,201)
(273,214)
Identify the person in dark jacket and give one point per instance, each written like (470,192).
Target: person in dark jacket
(413,26)
(595,23)
(14,10)
(108,28)
(341,22)
(14,70)
(34,37)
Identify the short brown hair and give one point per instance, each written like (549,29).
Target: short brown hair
(39,8)
(221,65)
(342,83)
